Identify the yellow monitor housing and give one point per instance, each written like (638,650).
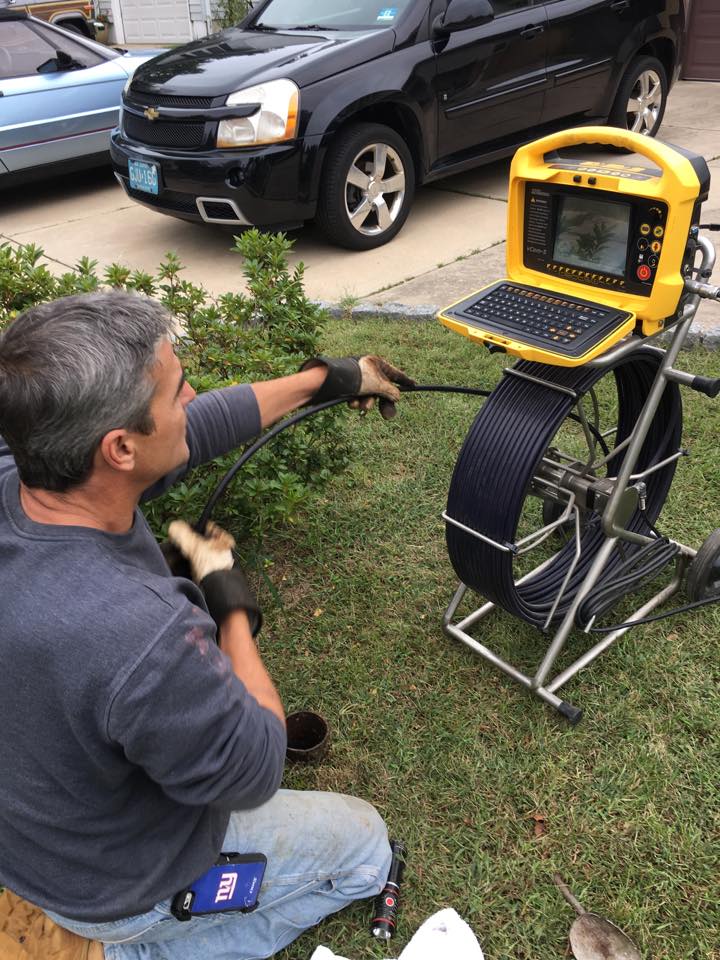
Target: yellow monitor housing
(611,231)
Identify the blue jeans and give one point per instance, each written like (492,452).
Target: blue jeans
(323,851)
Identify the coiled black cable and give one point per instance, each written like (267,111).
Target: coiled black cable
(501,454)
(642,565)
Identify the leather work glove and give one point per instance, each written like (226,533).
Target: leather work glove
(212,566)
(364,378)
(26,933)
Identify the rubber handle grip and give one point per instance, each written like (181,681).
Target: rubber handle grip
(707,385)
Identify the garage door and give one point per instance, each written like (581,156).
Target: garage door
(702,47)
(156,21)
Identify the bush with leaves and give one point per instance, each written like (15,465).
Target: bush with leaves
(230,12)
(233,338)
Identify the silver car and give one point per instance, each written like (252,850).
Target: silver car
(59,98)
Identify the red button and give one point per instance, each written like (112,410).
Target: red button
(644,272)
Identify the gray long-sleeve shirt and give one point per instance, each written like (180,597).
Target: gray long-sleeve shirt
(125,737)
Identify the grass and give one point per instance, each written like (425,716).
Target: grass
(489,789)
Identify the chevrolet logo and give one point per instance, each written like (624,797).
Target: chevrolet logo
(151,113)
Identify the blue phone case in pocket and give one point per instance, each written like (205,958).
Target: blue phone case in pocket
(233,883)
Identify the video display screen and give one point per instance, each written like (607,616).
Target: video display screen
(592,234)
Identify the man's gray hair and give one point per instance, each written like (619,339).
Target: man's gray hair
(72,370)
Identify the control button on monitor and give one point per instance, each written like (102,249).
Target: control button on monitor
(658,231)
(644,229)
(644,272)
(653,261)
(656,246)
(643,243)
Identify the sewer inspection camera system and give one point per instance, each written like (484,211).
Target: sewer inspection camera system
(573,453)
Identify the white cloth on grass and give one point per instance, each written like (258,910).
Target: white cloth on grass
(443,934)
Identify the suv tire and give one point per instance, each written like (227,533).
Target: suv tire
(645,88)
(355,207)
(74,26)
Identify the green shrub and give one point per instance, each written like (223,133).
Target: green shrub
(228,339)
(230,12)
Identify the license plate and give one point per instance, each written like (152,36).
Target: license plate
(144,176)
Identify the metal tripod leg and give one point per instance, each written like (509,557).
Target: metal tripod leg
(610,638)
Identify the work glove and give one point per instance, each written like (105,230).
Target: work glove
(212,567)
(363,378)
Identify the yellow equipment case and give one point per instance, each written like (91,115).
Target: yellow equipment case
(596,248)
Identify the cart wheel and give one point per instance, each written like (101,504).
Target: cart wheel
(703,579)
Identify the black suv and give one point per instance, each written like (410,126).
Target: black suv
(337,109)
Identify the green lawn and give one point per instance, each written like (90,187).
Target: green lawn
(459,760)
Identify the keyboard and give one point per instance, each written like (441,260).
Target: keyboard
(532,315)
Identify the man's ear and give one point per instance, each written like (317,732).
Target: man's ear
(117,449)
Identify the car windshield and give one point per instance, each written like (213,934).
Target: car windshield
(329,14)
(26,46)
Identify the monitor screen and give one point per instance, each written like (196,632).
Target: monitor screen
(592,234)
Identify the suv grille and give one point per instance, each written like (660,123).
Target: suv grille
(163,100)
(164,133)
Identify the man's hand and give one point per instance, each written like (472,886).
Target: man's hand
(212,566)
(363,378)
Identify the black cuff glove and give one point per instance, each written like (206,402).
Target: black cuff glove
(365,377)
(344,377)
(228,590)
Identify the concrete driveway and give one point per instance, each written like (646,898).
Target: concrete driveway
(452,242)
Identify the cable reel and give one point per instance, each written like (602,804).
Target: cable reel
(512,439)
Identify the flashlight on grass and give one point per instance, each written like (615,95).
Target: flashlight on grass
(382,926)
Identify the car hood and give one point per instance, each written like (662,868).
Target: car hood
(234,58)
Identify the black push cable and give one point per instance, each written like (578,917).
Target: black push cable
(592,531)
(676,611)
(227,479)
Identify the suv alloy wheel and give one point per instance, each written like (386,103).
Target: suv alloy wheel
(641,98)
(367,187)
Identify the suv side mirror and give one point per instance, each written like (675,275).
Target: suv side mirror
(463,14)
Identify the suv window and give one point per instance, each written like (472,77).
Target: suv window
(331,14)
(508,6)
(25,46)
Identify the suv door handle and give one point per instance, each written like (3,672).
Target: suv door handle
(619,5)
(529,32)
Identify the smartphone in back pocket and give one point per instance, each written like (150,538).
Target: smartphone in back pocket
(233,883)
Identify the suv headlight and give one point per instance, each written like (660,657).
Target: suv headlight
(276,118)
